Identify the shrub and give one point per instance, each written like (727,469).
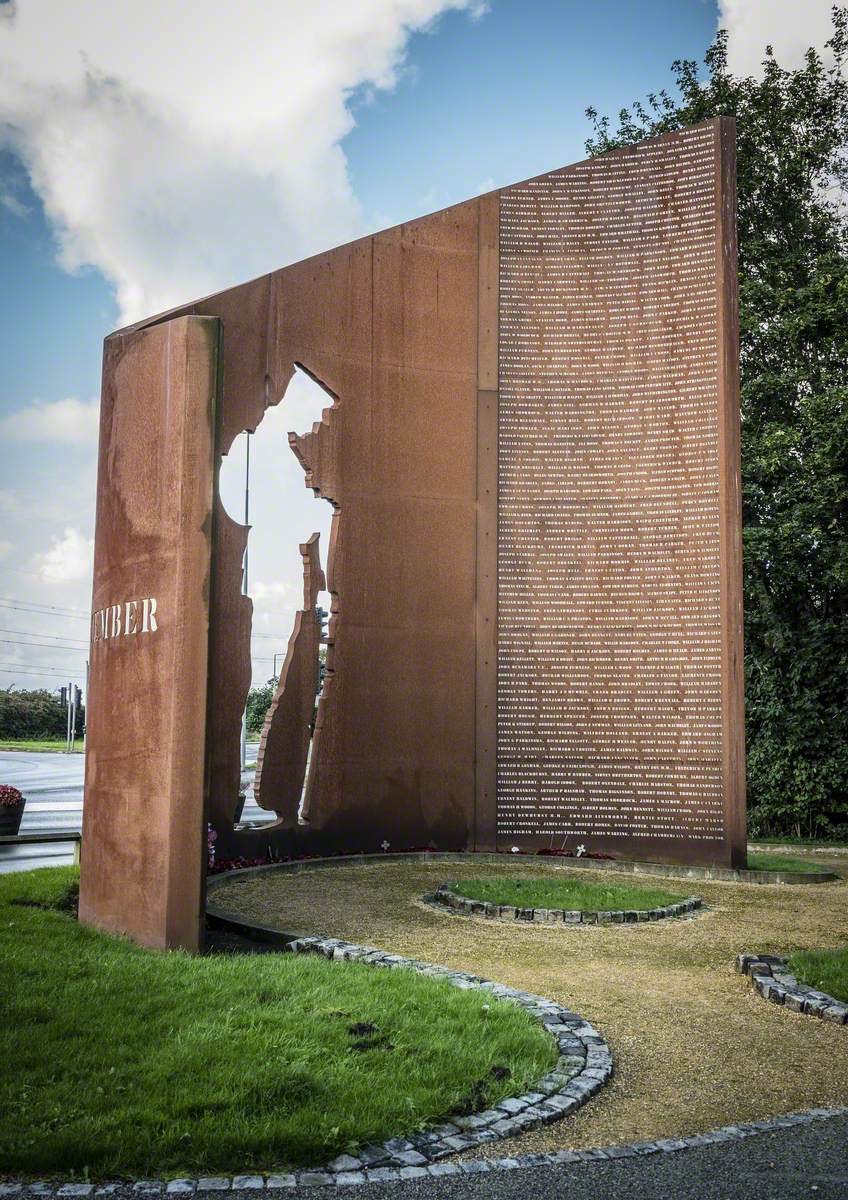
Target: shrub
(35,714)
(258,701)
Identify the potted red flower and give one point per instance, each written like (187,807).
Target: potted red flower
(11,809)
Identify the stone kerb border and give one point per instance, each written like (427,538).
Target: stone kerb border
(446,898)
(771,977)
(209,1185)
(623,866)
(583,1066)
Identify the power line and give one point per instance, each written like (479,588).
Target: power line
(21,571)
(45,636)
(16,668)
(47,610)
(42,604)
(40,646)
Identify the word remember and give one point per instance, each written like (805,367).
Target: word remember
(133,616)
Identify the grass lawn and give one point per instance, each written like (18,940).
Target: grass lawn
(767,861)
(50,744)
(806,843)
(826,970)
(571,894)
(116,1060)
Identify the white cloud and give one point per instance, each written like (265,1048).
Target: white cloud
(786,25)
(69,558)
(278,486)
(270,593)
(10,202)
(5,549)
(182,147)
(70,421)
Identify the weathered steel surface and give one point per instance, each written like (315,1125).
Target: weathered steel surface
(287,731)
(486,599)
(619,594)
(531,446)
(143,822)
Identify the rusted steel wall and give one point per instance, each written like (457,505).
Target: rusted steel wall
(143,855)
(287,729)
(619,579)
(532,448)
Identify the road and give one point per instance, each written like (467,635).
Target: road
(52,784)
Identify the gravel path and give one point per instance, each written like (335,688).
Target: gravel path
(694,1047)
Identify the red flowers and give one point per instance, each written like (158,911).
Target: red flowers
(10,797)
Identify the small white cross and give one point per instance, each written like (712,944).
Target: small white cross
(384,845)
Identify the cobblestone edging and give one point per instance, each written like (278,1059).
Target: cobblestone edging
(479,1166)
(445,898)
(771,977)
(621,866)
(583,1066)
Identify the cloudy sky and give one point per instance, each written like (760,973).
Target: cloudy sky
(153,153)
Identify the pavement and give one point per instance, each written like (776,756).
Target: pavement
(52,785)
(809,1161)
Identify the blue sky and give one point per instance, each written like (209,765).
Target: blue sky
(481,100)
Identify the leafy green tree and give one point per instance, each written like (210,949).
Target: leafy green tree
(34,714)
(792,147)
(258,702)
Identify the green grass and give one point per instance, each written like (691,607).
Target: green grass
(120,1061)
(766,861)
(826,970)
(822,843)
(50,744)
(570,894)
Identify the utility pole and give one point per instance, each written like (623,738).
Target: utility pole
(69,746)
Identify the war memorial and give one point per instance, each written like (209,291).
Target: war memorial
(531,447)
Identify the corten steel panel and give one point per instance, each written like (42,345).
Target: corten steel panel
(388,325)
(144,840)
(619,582)
(486,601)
(602,360)
(287,730)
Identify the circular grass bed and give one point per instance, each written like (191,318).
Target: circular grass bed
(825,970)
(574,895)
(694,1048)
(121,1061)
(769,861)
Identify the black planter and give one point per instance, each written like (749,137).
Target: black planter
(10,818)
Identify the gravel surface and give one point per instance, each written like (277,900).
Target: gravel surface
(694,1047)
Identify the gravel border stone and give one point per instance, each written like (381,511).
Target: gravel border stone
(583,1066)
(445,898)
(728,1133)
(624,866)
(771,977)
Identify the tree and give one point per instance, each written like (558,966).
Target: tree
(258,702)
(792,162)
(35,714)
